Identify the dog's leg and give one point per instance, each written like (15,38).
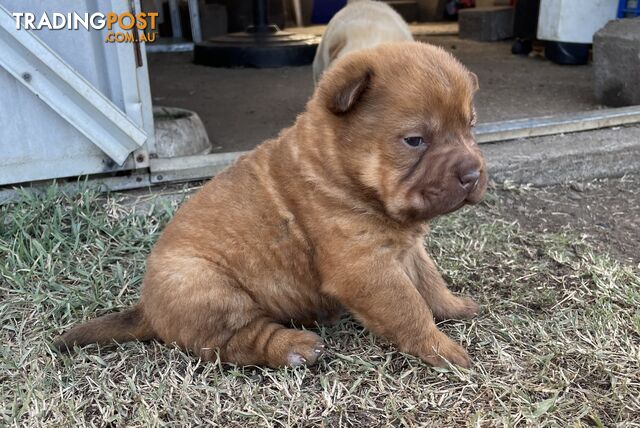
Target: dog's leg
(266,342)
(381,295)
(443,303)
(199,307)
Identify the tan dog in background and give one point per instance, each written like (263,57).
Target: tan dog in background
(327,217)
(360,24)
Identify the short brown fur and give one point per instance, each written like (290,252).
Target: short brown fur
(326,218)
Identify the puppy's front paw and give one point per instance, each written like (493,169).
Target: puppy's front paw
(444,349)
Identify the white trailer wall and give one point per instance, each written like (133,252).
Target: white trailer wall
(40,136)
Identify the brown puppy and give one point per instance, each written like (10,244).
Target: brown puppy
(329,216)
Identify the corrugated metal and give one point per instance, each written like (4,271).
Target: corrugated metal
(37,142)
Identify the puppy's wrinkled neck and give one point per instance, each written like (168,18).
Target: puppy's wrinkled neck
(321,145)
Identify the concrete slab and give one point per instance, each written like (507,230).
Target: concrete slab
(554,159)
(242,107)
(616,62)
(486,23)
(541,161)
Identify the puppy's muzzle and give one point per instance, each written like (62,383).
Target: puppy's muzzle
(469,180)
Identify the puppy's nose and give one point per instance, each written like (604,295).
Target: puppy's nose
(469,179)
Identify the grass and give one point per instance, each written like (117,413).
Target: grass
(557,343)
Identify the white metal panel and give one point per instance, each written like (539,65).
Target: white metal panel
(134,85)
(35,142)
(39,69)
(574,21)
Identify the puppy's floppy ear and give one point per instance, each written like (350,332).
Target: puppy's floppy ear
(346,85)
(474,81)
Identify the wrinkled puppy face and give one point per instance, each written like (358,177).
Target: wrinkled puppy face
(404,117)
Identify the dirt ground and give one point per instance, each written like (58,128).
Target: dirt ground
(242,107)
(606,212)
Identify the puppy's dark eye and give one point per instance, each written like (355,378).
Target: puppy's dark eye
(414,141)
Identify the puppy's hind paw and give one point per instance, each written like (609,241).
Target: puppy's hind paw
(468,309)
(462,308)
(294,359)
(304,349)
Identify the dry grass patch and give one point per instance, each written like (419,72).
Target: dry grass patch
(557,343)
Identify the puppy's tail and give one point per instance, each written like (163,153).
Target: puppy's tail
(119,327)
